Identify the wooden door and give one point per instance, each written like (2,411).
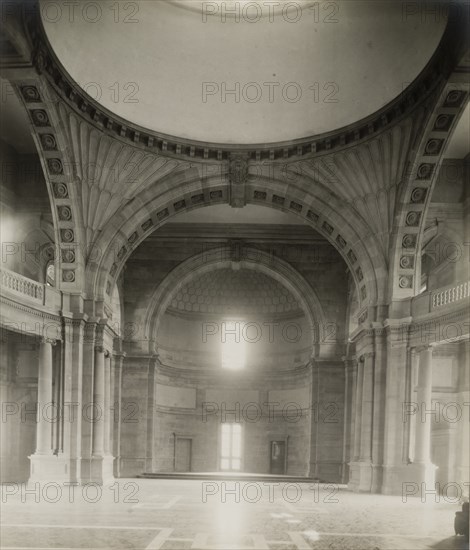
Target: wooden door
(183,455)
(278,458)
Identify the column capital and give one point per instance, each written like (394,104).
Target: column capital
(424,347)
(45,340)
(350,362)
(154,360)
(366,355)
(153,349)
(100,349)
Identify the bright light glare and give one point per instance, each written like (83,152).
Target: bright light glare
(233,346)
(312,536)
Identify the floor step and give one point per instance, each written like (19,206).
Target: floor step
(227,476)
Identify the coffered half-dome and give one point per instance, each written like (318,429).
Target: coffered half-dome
(235,292)
(242,72)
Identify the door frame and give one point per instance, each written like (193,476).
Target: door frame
(175,444)
(219,449)
(285,439)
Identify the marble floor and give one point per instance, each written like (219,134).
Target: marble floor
(217,515)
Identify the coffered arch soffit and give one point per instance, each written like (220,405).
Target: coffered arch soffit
(419,182)
(40,102)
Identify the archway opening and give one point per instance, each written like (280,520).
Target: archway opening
(241,314)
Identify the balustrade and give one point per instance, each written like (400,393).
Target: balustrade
(22,285)
(450,294)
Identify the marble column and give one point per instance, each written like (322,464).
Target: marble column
(44,426)
(353,409)
(462,460)
(6,431)
(395,470)
(378,410)
(365,444)
(101,463)
(422,454)
(107,402)
(44,464)
(98,402)
(410,419)
(358,411)
(423,469)
(367,407)
(74,463)
(424,391)
(356,417)
(349,375)
(315,400)
(117,412)
(151,384)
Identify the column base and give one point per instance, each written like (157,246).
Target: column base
(377,478)
(100,469)
(354,476)
(365,476)
(345,473)
(46,468)
(398,480)
(313,470)
(361,475)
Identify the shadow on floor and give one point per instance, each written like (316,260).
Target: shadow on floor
(451,543)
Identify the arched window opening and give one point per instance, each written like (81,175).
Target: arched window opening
(50,273)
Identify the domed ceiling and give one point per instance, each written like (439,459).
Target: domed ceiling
(299,69)
(229,292)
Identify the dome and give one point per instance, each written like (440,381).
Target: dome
(241,72)
(235,292)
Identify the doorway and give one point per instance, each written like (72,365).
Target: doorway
(231,447)
(183,454)
(277,464)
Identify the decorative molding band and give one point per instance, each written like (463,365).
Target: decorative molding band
(268,317)
(460,311)
(30,310)
(214,375)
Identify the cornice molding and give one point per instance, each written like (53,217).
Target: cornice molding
(268,318)
(30,310)
(74,322)
(443,316)
(212,374)
(47,63)
(422,347)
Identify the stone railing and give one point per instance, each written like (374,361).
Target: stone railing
(450,294)
(446,296)
(13,282)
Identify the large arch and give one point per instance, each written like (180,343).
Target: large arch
(40,101)
(419,181)
(222,257)
(185,191)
